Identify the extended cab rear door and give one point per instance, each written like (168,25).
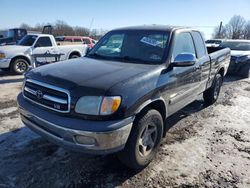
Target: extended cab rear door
(203,60)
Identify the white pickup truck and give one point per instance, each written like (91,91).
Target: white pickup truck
(18,58)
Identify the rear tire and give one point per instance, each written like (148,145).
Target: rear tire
(211,95)
(144,140)
(19,66)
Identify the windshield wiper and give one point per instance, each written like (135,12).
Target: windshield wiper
(134,59)
(97,55)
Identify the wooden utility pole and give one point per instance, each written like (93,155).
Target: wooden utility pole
(219,34)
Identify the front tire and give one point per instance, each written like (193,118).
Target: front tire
(19,66)
(211,95)
(144,140)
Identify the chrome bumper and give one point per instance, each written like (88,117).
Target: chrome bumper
(84,141)
(5,63)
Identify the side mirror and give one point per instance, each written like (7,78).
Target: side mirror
(184,60)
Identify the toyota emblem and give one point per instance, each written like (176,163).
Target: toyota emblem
(39,94)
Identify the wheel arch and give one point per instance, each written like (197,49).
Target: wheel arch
(21,57)
(74,52)
(158,104)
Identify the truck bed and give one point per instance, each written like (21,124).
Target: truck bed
(219,57)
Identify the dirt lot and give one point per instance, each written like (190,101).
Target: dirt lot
(204,147)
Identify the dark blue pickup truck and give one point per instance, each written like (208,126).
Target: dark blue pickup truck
(117,97)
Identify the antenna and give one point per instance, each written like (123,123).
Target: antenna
(90,26)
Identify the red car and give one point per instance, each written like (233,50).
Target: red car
(86,40)
(89,41)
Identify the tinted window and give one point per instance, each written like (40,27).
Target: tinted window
(43,42)
(77,40)
(86,41)
(199,44)
(213,41)
(183,44)
(68,40)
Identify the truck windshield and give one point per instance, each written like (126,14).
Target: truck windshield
(132,46)
(27,40)
(241,46)
(10,33)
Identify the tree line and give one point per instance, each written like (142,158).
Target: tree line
(237,28)
(61,28)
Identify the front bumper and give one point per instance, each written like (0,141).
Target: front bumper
(96,137)
(5,63)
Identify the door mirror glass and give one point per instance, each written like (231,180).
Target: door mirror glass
(184,60)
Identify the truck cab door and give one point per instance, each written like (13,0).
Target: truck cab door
(188,77)
(203,59)
(44,45)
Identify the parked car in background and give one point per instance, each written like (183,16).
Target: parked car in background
(89,41)
(75,39)
(17,58)
(69,39)
(117,97)
(240,56)
(213,42)
(12,36)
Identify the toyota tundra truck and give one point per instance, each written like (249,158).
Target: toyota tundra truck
(117,97)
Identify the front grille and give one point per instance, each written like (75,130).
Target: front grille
(46,95)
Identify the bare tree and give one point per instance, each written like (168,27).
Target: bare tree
(220,33)
(247,30)
(235,27)
(81,31)
(61,28)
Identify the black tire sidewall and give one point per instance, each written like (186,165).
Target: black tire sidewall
(136,161)
(218,78)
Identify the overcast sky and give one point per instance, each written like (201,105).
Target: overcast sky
(109,14)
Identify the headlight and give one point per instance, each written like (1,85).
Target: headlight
(98,105)
(2,55)
(243,58)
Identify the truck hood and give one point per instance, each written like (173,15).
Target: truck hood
(237,53)
(11,50)
(87,76)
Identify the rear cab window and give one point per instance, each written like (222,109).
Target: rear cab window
(199,44)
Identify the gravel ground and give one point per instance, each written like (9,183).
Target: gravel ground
(204,147)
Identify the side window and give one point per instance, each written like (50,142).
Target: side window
(199,44)
(43,42)
(86,41)
(77,40)
(183,44)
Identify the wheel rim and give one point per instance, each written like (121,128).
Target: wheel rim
(21,66)
(217,89)
(147,140)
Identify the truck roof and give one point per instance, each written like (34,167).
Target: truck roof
(40,35)
(153,27)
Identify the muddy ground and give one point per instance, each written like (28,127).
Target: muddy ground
(204,147)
